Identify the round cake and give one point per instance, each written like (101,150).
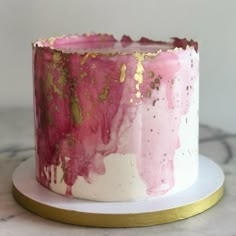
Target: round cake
(116,120)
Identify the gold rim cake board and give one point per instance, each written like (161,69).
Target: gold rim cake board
(207,198)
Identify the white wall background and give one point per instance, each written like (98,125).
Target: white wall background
(211,22)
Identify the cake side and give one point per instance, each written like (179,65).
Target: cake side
(116,128)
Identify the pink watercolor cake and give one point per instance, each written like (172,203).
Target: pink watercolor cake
(116,120)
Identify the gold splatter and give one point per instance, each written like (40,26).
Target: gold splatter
(51,84)
(83,75)
(49,80)
(157,81)
(151,74)
(56,57)
(149,93)
(75,110)
(152,85)
(103,96)
(57,90)
(138,76)
(84,59)
(138,94)
(62,79)
(122,73)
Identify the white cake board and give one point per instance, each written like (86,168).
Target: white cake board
(204,193)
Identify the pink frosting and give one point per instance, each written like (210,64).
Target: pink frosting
(87,102)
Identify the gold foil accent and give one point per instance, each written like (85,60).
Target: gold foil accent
(139,71)
(83,75)
(152,85)
(103,96)
(84,59)
(151,74)
(75,110)
(118,220)
(138,76)
(122,73)
(56,57)
(157,81)
(62,79)
(149,93)
(51,84)
(138,94)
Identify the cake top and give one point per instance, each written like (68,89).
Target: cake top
(107,44)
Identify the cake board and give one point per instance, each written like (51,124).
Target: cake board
(203,194)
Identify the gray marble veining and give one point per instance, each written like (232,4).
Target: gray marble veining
(16,145)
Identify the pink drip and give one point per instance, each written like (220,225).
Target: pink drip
(69,190)
(161,122)
(55,174)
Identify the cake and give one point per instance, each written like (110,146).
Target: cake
(116,120)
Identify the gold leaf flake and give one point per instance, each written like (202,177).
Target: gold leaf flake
(151,74)
(84,59)
(62,79)
(56,57)
(75,111)
(138,76)
(138,94)
(103,96)
(83,74)
(149,93)
(51,84)
(122,73)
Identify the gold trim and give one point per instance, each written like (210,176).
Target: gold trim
(39,44)
(118,220)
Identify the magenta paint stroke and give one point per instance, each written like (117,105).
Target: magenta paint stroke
(91,91)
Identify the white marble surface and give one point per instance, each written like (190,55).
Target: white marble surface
(16,145)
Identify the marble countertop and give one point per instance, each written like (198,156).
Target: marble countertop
(16,145)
